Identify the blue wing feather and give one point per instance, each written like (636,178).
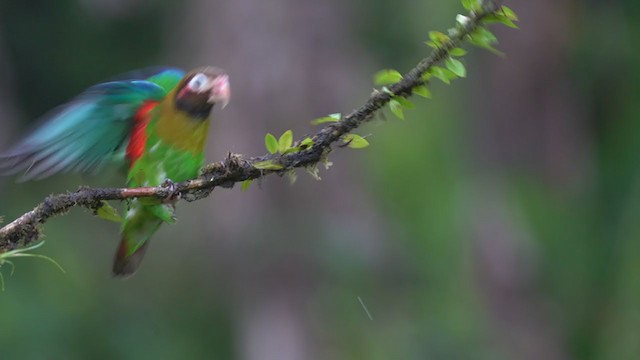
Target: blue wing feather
(84,133)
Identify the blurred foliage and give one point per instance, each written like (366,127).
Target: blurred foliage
(57,48)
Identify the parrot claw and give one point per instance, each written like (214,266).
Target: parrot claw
(171,188)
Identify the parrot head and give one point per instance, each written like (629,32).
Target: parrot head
(201,89)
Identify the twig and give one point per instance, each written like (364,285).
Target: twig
(237,168)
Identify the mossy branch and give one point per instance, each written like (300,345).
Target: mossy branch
(25,230)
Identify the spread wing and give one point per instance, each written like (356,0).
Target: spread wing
(86,132)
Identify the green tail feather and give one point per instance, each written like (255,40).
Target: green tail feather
(137,229)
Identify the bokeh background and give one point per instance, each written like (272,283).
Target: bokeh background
(499,221)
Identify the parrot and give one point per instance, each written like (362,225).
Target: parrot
(155,120)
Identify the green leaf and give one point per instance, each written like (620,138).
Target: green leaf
(331,118)
(508,13)
(404,102)
(438,38)
(508,23)
(456,67)
(306,143)
(484,38)
(355,141)
(423,91)
(471,4)
(445,75)
(271,143)
(387,76)
(107,212)
(499,18)
(431,44)
(483,34)
(267,165)
(458,52)
(285,141)
(396,109)
(246,184)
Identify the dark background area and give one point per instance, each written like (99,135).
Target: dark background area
(499,221)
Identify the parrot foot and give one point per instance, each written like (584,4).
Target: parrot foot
(171,188)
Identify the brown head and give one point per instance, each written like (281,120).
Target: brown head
(201,89)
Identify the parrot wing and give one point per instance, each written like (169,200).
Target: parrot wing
(86,132)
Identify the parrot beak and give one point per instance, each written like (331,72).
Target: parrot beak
(220,91)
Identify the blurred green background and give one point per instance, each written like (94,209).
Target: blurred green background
(499,221)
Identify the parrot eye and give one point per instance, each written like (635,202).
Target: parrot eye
(198,82)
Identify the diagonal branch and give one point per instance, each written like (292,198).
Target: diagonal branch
(24,231)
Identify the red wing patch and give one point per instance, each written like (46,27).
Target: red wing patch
(138,139)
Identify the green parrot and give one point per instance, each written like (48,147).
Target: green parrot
(157,117)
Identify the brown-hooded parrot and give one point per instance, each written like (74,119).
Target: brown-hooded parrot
(158,117)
